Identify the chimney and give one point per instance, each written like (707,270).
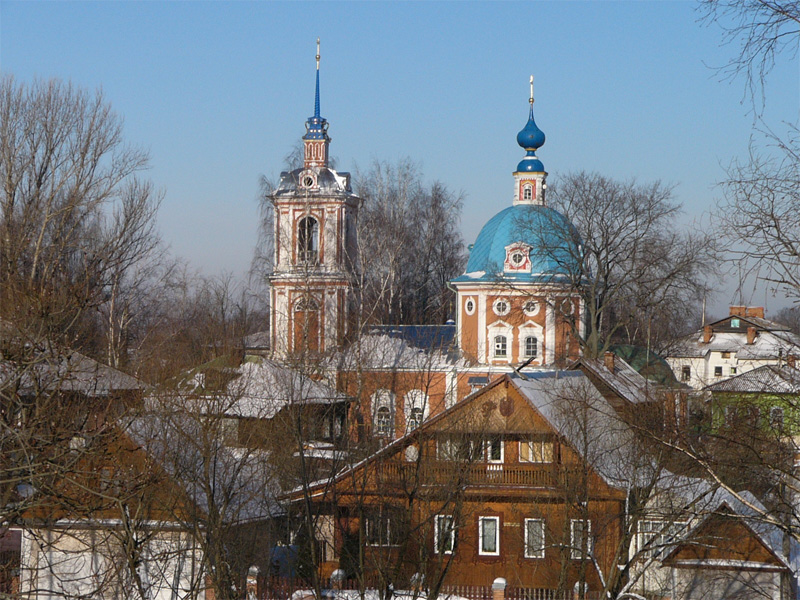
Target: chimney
(751,335)
(738,311)
(791,360)
(706,334)
(754,311)
(608,360)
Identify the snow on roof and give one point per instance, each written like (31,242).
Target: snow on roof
(67,371)
(768,344)
(264,387)
(387,351)
(772,379)
(243,479)
(599,435)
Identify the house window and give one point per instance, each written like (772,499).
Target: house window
(527,192)
(776,417)
(500,346)
(536,451)
(383,527)
(489,533)
(726,355)
(444,534)
(534,538)
(686,373)
(580,538)
(735,323)
(717,371)
(530,308)
(494,450)
(307,240)
(733,370)
(531,346)
(459,448)
(383,404)
(653,536)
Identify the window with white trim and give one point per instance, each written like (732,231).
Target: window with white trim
(501,307)
(489,536)
(415,406)
(383,415)
(580,539)
(500,346)
(527,192)
(494,449)
(534,538)
(531,346)
(459,448)
(536,451)
(653,536)
(444,534)
(307,240)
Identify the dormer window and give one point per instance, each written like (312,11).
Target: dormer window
(517,258)
(307,240)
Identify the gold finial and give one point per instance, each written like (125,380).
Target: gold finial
(317,54)
(531,100)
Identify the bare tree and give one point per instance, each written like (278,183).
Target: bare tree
(762,29)
(409,245)
(75,219)
(624,253)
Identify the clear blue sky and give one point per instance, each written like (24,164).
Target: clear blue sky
(219,91)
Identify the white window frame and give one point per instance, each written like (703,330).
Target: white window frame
(487,450)
(481,522)
(527,191)
(530,551)
(470,301)
(383,399)
(437,526)
(576,551)
(497,342)
(526,353)
(503,310)
(660,530)
(415,404)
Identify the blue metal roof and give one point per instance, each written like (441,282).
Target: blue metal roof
(426,337)
(554,243)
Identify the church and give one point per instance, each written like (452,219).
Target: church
(517,306)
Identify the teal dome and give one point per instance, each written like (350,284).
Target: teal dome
(554,241)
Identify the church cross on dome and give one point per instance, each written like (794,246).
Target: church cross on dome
(316,139)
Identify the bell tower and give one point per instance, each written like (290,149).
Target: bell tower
(314,255)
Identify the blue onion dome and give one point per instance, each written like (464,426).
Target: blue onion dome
(531,138)
(554,246)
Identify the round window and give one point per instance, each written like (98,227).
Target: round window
(566,306)
(517,258)
(501,307)
(469,306)
(530,308)
(308,181)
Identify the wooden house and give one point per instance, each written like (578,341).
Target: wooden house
(524,479)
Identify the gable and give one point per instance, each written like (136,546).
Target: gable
(723,539)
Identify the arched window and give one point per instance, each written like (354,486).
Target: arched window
(307,240)
(531,346)
(527,192)
(500,346)
(415,405)
(383,413)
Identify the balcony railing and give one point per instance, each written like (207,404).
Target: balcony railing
(545,475)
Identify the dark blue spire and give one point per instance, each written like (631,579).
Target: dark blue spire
(316,126)
(531,138)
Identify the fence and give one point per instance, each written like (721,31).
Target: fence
(282,588)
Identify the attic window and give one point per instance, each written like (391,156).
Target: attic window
(735,322)
(686,373)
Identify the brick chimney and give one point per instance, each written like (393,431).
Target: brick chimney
(738,311)
(751,335)
(706,334)
(754,311)
(608,360)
